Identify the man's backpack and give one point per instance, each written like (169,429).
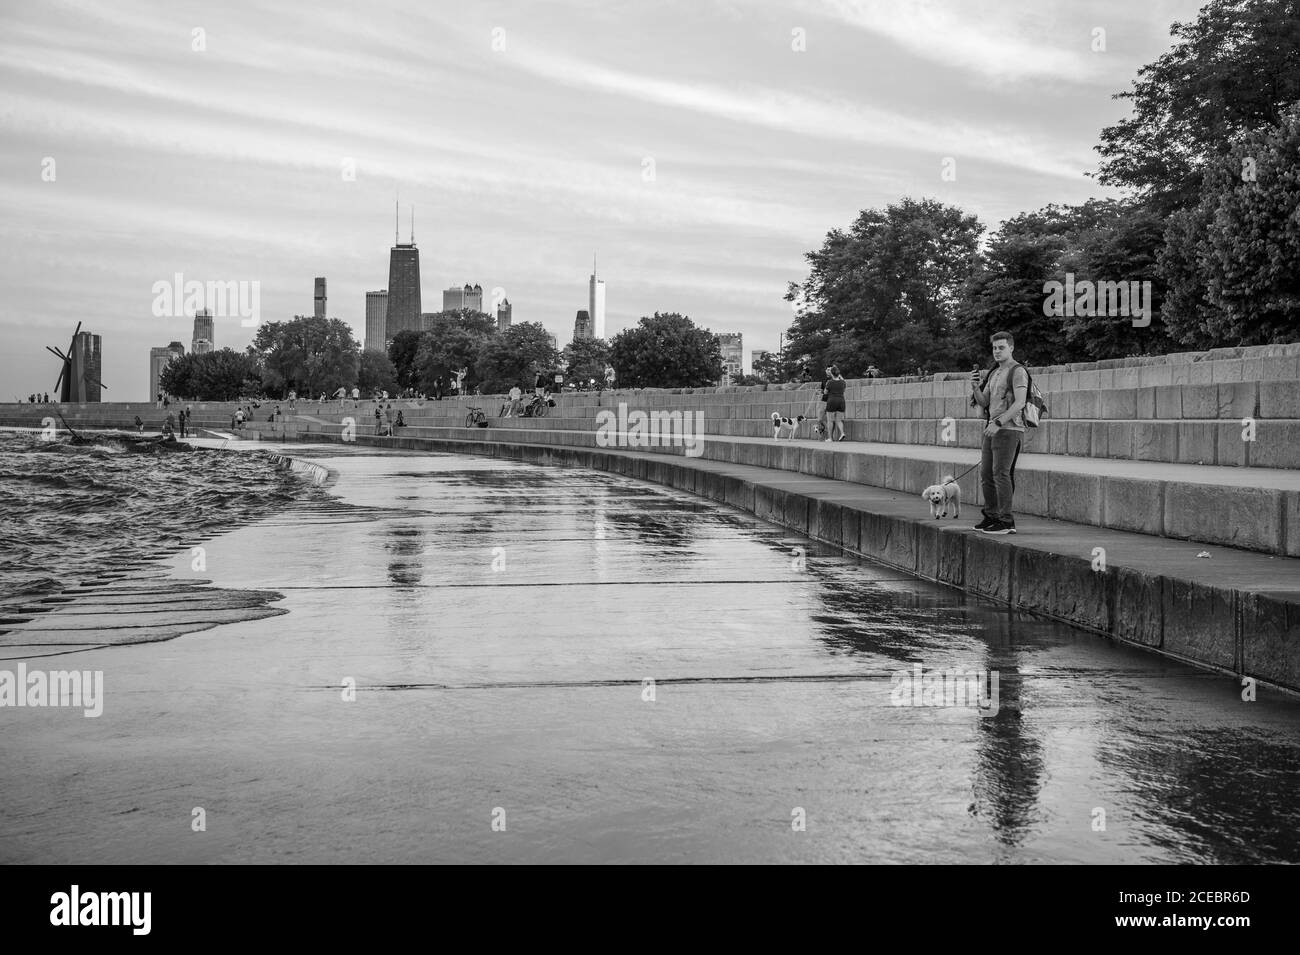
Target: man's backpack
(1035,403)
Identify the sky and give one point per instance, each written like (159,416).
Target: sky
(698,149)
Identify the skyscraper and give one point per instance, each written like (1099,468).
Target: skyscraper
(468,296)
(733,355)
(403,310)
(158,359)
(596,303)
(204,337)
(582,325)
(377,320)
(320,296)
(503,315)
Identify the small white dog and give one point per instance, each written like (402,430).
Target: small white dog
(941,495)
(781,425)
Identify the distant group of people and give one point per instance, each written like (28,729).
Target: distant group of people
(35,399)
(385,423)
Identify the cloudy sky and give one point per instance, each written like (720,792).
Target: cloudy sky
(689,144)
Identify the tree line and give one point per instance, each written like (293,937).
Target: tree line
(314,356)
(1209,165)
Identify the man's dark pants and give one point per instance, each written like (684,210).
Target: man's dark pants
(998,455)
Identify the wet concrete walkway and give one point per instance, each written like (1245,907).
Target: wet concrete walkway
(499,622)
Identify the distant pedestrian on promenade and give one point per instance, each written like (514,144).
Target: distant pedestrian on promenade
(437,388)
(610,376)
(293,401)
(180,416)
(835,407)
(1002,394)
(47,397)
(356,397)
(516,396)
(160,399)
(341,394)
(139,425)
(171,421)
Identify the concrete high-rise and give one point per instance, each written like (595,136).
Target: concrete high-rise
(403,309)
(158,360)
(733,355)
(320,296)
(467,296)
(204,338)
(503,315)
(582,325)
(596,303)
(377,321)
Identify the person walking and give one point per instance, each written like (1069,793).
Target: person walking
(180,416)
(293,401)
(835,407)
(516,396)
(1002,394)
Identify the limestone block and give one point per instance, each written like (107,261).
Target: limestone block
(1196,442)
(1063,586)
(1199,622)
(1139,604)
(1075,497)
(1270,639)
(1279,399)
(1246,517)
(1118,404)
(1135,505)
(1200,401)
(1238,399)
(1276,445)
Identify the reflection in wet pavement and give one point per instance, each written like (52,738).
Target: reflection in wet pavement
(502,621)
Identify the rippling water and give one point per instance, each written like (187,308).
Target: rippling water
(68,512)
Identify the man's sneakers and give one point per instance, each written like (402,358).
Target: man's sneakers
(999,527)
(984,523)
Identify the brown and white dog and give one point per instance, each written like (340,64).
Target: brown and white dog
(941,495)
(781,425)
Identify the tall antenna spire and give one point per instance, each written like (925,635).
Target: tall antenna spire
(412,225)
(396,221)
(593,262)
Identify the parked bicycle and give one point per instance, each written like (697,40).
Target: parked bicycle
(537,408)
(476,418)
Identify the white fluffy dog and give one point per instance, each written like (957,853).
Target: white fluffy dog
(941,495)
(783,426)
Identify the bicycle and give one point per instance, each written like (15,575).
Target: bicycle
(537,408)
(476,418)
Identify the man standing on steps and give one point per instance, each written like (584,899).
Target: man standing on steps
(1002,395)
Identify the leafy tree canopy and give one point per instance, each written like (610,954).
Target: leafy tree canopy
(666,351)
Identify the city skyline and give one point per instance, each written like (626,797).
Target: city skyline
(136,148)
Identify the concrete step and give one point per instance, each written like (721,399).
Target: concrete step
(1252,509)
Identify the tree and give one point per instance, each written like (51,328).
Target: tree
(214,376)
(401,352)
(1235,69)
(586,358)
(376,373)
(666,351)
(1233,261)
(308,354)
(1100,240)
(515,357)
(884,292)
